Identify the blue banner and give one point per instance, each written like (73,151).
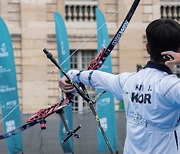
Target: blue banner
(63,54)
(105,103)
(8,90)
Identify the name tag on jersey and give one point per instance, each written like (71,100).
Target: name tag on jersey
(141,95)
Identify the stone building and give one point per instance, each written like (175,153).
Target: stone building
(32,28)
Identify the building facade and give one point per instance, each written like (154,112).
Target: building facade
(32,28)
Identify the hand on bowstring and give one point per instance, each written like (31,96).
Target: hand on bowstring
(173,57)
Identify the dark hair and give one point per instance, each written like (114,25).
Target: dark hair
(163,35)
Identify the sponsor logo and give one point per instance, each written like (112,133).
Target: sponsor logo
(10,125)
(104,43)
(124,26)
(11,103)
(3,70)
(3,50)
(104,123)
(104,67)
(104,101)
(6,88)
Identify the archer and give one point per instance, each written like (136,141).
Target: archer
(152,128)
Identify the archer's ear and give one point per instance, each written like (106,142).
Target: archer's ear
(148,48)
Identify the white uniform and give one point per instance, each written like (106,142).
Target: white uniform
(152,102)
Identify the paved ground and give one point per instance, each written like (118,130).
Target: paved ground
(46,142)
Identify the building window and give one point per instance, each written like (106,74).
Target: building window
(170,9)
(80,60)
(80,10)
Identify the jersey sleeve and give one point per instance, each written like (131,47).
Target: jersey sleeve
(100,80)
(172,92)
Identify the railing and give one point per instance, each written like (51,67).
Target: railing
(171,10)
(80,10)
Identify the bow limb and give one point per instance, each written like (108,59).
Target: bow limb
(44,113)
(19,129)
(104,53)
(38,117)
